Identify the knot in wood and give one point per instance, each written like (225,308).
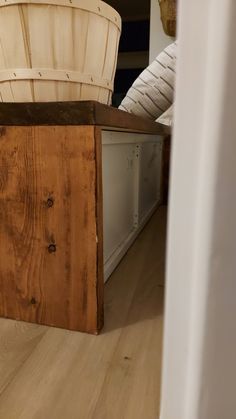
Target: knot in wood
(52,248)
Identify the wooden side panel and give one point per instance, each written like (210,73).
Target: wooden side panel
(48,227)
(99,215)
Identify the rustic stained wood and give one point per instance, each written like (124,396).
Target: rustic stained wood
(51,245)
(99,223)
(51,215)
(77,113)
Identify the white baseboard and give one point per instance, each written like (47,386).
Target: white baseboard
(122,249)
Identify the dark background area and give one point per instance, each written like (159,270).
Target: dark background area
(135,36)
(134,39)
(131,9)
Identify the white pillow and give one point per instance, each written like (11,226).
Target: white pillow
(167,117)
(152,93)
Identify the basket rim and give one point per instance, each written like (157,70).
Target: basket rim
(52,74)
(100,7)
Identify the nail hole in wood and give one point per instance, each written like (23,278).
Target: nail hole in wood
(52,248)
(50,202)
(33,301)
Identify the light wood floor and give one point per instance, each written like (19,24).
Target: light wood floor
(48,373)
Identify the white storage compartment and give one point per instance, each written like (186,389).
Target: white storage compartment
(118,192)
(150,178)
(131,189)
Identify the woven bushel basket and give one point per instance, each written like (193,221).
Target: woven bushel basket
(57,50)
(168,16)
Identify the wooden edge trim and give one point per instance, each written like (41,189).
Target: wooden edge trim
(77,113)
(99,221)
(108,116)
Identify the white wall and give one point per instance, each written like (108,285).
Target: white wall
(158,39)
(199,372)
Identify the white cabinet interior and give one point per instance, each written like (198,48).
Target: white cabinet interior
(131,189)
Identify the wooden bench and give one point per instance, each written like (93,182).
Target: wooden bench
(51,209)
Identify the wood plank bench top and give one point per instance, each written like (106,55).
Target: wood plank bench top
(77,113)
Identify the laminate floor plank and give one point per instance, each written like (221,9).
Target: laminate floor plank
(48,373)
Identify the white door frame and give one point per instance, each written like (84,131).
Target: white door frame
(199,372)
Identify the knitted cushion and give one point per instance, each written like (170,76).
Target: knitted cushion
(167,117)
(152,93)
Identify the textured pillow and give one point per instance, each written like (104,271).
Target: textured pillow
(167,117)
(152,93)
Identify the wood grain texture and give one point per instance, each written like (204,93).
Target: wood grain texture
(48,227)
(18,340)
(77,113)
(58,374)
(99,220)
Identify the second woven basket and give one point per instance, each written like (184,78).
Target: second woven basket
(168,16)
